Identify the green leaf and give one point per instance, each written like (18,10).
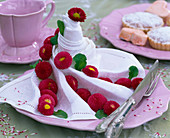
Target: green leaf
(61,27)
(35,64)
(100,114)
(54,40)
(133,72)
(80,61)
(60,114)
(80,65)
(79,57)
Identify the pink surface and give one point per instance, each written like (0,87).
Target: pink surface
(23,55)
(111,25)
(20,24)
(150,108)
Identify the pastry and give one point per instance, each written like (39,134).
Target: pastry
(137,37)
(167,20)
(159,8)
(142,20)
(159,38)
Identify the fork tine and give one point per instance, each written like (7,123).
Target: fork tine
(153,84)
(153,78)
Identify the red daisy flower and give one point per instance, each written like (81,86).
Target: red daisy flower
(124,82)
(43,70)
(63,60)
(45,51)
(45,108)
(72,82)
(77,14)
(48,84)
(96,101)
(110,106)
(136,82)
(91,71)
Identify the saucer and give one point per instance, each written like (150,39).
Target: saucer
(23,55)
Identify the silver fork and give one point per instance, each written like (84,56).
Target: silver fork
(105,123)
(115,127)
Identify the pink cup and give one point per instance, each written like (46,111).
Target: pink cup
(21,20)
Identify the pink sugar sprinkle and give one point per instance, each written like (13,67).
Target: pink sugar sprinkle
(164,135)
(158,113)
(165,118)
(157,133)
(137,115)
(93,24)
(92,28)
(95,38)
(33,134)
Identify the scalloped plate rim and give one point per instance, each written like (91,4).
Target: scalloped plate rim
(104,23)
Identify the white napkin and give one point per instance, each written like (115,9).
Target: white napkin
(73,41)
(23,93)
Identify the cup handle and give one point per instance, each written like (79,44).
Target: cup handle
(45,21)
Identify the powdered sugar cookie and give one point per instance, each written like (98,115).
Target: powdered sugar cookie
(142,20)
(160,38)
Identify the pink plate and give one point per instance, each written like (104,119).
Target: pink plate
(111,25)
(149,109)
(26,54)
